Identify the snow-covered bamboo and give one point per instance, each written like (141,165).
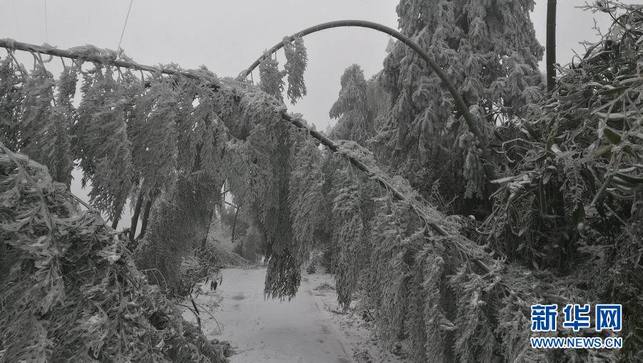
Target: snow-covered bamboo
(108,57)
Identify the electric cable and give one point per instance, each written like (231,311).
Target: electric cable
(129,9)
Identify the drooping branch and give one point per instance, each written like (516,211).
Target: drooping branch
(460,105)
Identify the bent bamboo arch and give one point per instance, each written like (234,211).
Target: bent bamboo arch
(461,106)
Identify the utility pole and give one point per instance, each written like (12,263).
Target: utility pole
(550,57)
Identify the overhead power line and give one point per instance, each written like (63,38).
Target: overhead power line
(129,10)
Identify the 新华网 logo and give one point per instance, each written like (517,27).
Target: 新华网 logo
(575,317)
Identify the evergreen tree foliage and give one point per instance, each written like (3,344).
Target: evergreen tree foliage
(69,288)
(241,107)
(35,120)
(45,122)
(574,193)
(351,108)
(100,137)
(348,236)
(11,91)
(324,232)
(245,175)
(259,175)
(129,139)
(271,78)
(171,128)
(60,161)
(575,160)
(283,275)
(430,329)
(387,290)
(179,224)
(296,60)
(490,52)
(37,107)
(277,177)
(305,194)
(378,101)
(475,336)
(154,140)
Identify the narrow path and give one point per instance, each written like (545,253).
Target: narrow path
(260,330)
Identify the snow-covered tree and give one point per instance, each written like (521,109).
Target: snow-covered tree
(489,51)
(272,79)
(351,108)
(296,60)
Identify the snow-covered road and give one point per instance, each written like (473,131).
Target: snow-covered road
(260,330)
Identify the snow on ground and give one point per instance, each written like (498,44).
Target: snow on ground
(356,333)
(302,330)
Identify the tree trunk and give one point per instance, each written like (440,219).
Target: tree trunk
(135,217)
(115,222)
(146,216)
(234,224)
(204,242)
(551,44)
